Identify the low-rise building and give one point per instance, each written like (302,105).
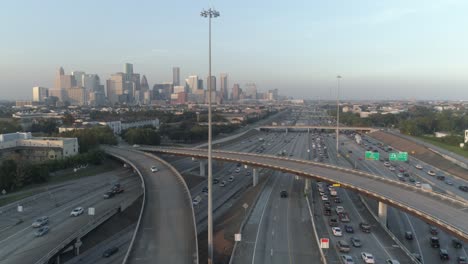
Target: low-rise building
(37,149)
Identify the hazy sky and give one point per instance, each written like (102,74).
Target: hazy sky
(385,49)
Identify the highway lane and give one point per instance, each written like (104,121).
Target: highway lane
(167,230)
(22,247)
(400,222)
(440,184)
(279,229)
(377,242)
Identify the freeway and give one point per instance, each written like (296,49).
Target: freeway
(447,213)
(166,232)
(17,241)
(279,230)
(400,222)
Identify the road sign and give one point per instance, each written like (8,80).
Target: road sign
(245,205)
(91,211)
(237,237)
(324,243)
(398,156)
(336,185)
(20,208)
(372,155)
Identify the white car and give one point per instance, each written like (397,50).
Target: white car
(324,197)
(154,169)
(431,172)
(392,168)
(339,209)
(386,164)
(367,257)
(237,170)
(419,167)
(418,184)
(77,211)
(337,231)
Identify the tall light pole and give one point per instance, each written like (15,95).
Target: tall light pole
(337,114)
(210,13)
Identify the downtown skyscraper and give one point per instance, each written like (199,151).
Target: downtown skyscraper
(176,76)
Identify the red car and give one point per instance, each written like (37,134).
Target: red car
(401,169)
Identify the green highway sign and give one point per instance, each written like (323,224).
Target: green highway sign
(400,156)
(372,155)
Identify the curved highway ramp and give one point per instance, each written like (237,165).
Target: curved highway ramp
(166,231)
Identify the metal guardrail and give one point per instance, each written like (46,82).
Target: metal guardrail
(389,200)
(80,233)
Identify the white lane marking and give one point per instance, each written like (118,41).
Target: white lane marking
(261,220)
(416,236)
(272,232)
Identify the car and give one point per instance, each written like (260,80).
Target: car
(435,242)
(386,164)
(367,258)
(337,199)
(431,173)
(42,231)
(284,194)
(448,182)
(110,251)
(462,260)
(457,243)
(392,168)
(405,174)
(411,179)
(417,256)
(443,254)
(41,221)
(392,261)
(399,175)
(418,184)
(463,188)
(196,200)
(356,242)
(215,181)
(154,169)
(237,170)
(365,227)
(339,209)
(77,211)
(205,189)
(222,184)
(343,246)
(418,166)
(231,178)
(108,195)
(136,145)
(440,177)
(324,197)
(433,230)
(409,235)
(344,217)
(350,151)
(347,259)
(337,231)
(333,222)
(401,169)
(349,229)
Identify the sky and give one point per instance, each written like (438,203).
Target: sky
(386,49)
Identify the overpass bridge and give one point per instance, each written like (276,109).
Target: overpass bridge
(308,128)
(448,213)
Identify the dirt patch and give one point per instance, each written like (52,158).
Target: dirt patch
(421,153)
(225,228)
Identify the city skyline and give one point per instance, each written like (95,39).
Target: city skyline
(386,50)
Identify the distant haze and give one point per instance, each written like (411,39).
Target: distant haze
(385,49)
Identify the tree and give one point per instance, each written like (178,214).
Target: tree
(145,136)
(68,119)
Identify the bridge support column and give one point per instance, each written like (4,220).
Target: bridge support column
(383,213)
(203,168)
(255,176)
(57,259)
(306,186)
(286,131)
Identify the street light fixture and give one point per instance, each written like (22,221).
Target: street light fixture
(337,114)
(210,13)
